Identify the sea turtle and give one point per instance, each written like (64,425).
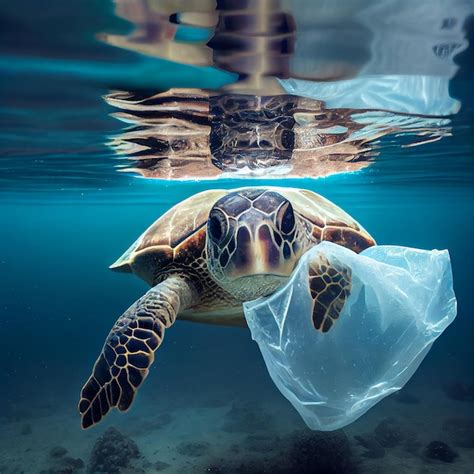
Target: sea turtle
(206,256)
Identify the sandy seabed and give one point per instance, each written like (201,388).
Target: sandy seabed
(224,432)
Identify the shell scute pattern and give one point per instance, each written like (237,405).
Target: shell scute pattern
(180,221)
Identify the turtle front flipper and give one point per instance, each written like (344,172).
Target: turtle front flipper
(129,349)
(330,283)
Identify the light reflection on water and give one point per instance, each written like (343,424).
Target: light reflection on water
(253,126)
(389,81)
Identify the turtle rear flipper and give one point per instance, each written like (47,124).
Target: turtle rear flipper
(129,349)
(330,283)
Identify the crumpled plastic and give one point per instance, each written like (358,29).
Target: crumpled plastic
(401,301)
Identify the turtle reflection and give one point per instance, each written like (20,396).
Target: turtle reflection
(253,126)
(185,134)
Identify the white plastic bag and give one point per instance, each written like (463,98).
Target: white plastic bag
(401,300)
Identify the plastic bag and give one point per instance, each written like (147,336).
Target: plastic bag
(401,300)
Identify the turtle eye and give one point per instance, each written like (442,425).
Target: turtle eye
(217,226)
(286,218)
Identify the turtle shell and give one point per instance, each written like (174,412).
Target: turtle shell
(177,239)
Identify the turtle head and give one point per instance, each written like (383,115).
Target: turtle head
(254,241)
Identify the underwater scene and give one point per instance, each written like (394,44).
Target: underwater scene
(284,188)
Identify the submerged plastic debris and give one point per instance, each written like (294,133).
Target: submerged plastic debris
(401,300)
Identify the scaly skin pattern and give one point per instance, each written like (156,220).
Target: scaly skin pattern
(129,349)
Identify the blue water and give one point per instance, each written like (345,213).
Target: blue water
(66,214)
